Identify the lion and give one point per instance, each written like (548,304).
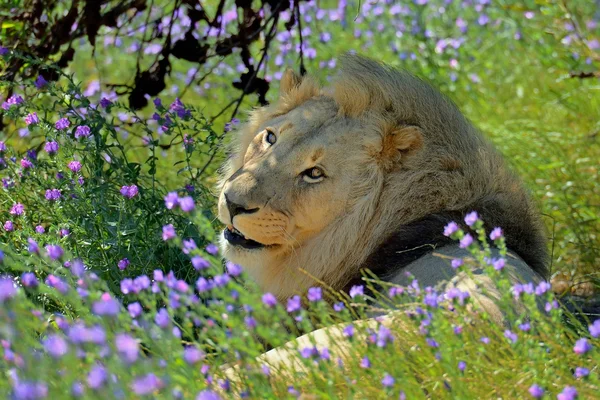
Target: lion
(364,174)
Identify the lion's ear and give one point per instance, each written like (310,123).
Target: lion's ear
(289,81)
(400,140)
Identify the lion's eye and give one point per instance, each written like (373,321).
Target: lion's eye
(270,137)
(313,175)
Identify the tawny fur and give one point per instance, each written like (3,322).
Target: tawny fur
(406,152)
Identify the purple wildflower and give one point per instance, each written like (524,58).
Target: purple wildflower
(171,200)
(134,309)
(499,264)
(357,290)
(582,346)
(146,384)
(536,391)
(186,203)
(82,131)
(337,307)
(7,289)
(54,251)
(269,300)
(28,279)
(471,218)
(31,119)
(17,209)
(212,249)
(57,283)
(74,166)
(568,393)
(511,336)
(384,336)
(62,124)
(233,269)
(456,263)
(200,263)
(294,304)
(27,390)
(105,103)
(51,148)
(40,82)
(387,381)
(466,241)
(192,355)
(365,362)
(127,347)
(97,376)
(595,328)
(40,229)
(208,395)
(314,294)
(162,318)
(462,366)
(53,194)
(56,346)
(26,164)
(581,372)
(33,246)
(168,232)
(9,226)
(450,229)
(348,331)
(106,306)
(309,352)
(129,191)
(496,233)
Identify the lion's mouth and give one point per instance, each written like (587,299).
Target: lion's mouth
(237,238)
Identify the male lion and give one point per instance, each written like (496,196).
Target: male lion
(364,174)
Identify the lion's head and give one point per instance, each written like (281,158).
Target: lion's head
(317,180)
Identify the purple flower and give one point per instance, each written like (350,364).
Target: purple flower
(456,263)
(581,372)
(135,309)
(365,362)
(200,263)
(189,245)
(485,340)
(582,346)
(233,269)
(13,100)
(171,200)
(168,232)
(74,166)
(192,355)
(51,148)
(2,147)
(568,393)
(348,331)
(162,318)
(496,233)
(461,366)
(7,289)
(432,342)
(499,263)
(53,194)
(466,241)
(483,19)
(27,390)
(56,346)
(384,336)
(57,283)
(54,251)
(31,119)
(129,191)
(357,290)
(40,82)
(186,203)
(78,333)
(40,229)
(525,327)
(595,328)
(542,288)
(431,300)
(62,124)
(105,103)
(269,300)
(203,285)
(536,391)
(124,263)
(33,246)
(212,249)
(26,163)
(208,395)
(9,226)
(309,352)
(146,384)
(387,381)
(471,218)
(63,232)
(97,376)
(127,347)
(314,294)
(294,304)
(82,131)
(337,307)
(450,229)
(17,209)
(512,337)
(106,306)
(28,279)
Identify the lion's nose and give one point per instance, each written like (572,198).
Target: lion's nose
(236,209)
